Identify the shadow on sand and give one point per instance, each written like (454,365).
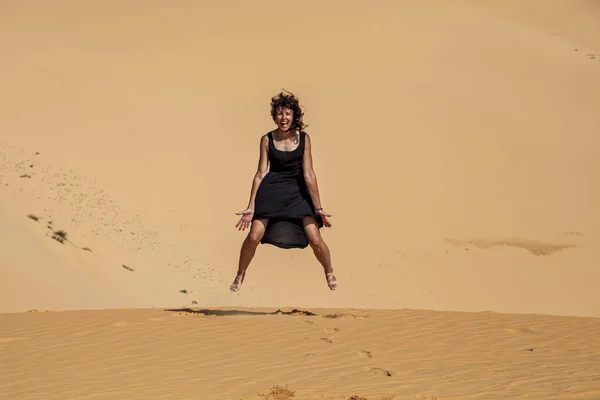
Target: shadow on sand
(223,313)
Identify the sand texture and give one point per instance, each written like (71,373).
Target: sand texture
(316,354)
(456,144)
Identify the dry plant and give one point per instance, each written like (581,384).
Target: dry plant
(278,393)
(60,236)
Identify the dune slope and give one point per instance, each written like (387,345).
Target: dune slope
(455,145)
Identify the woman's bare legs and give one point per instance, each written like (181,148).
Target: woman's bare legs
(257,231)
(320,249)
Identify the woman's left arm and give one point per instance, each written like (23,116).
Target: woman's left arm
(311,178)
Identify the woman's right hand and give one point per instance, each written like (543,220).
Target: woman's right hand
(325,217)
(246,219)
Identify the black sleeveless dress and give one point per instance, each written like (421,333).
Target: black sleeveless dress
(284,199)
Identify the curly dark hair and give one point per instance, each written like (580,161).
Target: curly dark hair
(289,101)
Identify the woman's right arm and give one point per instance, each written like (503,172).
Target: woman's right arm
(263,169)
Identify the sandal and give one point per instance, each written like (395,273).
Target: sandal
(237,282)
(331,280)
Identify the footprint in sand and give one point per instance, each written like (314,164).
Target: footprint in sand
(321,339)
(378,371)
(362,353)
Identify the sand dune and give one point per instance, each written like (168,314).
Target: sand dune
(456,145)
(327,354)
(432,126)
(38,273)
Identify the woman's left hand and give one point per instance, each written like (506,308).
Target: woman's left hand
(325,217)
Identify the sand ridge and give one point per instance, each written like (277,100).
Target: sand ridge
(204,353)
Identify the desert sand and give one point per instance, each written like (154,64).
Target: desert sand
(229,353)
(455,143)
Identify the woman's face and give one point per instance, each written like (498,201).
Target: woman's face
(283,118)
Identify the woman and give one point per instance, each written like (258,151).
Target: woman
(284,209)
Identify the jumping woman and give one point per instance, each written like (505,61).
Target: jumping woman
(284,208)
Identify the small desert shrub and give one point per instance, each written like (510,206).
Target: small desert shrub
(61,233)
(278,393)
(33,217)
(184,291)
(127,268)
(86,249)
(60,236)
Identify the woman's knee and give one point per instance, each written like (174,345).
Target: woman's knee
(254,238)
(257,231)
(312,232)
(314,239)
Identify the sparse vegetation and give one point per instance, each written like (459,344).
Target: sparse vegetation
(128,268)
(194,302)
(87,249)
(278,393)
(184,291)
(25,176)
(33,217)
(60,236)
